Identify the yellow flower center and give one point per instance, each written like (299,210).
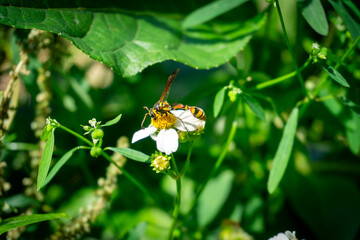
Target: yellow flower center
(161,163)
(163,120)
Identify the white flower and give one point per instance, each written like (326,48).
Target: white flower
(162,130)
(281,236)
(92,122)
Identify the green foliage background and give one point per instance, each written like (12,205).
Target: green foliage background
(281,155)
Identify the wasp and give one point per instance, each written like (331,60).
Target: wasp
(162,107)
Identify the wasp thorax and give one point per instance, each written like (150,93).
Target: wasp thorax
(163,120)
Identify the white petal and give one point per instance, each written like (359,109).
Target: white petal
(167,141)
(186,121)
(280,236)
(143,133)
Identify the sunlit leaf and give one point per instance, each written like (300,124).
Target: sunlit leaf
(113,121)
(59,165)
(213,197)
(210,11)
(46,160)
(335,75)
(129,41)
(314,14)
(219,101)
(130,153)
(15,222)
(254,106)
(283,152)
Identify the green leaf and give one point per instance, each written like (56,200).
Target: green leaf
(354,107)
(138,232)
(46,132)
(219,101)
(352,129)
(213,197)
(59,165)
(128,41)
(14,222)
(254,106)
(210,11)
(283,152)
(335,75)
(131,153)
(113,121)
(352,25)
(46,160)
(314,14)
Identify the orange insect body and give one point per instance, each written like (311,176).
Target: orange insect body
(163,108)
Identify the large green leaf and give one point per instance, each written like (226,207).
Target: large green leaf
(283,152)
(14,222)
(314,14)
(46,160)
(129,41)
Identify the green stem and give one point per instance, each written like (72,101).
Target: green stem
(221,158)
(76,134)
(128,176)
(177,202)
(282,78)
(187,162)
(301,80)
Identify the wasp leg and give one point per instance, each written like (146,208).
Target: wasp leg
(142,123)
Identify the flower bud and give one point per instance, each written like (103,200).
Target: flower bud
(97,134)
(160,162)
(95,151)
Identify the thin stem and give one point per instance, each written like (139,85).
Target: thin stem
(351,48)
(177,202)
(222,156)
(187,162)
(173,162)
(76,135)
(128,176)
(301,80)
(282,78)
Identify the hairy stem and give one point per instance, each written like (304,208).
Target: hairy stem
(282,78)
(76,135)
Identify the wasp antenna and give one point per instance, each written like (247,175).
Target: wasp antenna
(145,107)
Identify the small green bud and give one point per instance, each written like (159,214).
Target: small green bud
(232,95)
(95,151)
(97,134)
